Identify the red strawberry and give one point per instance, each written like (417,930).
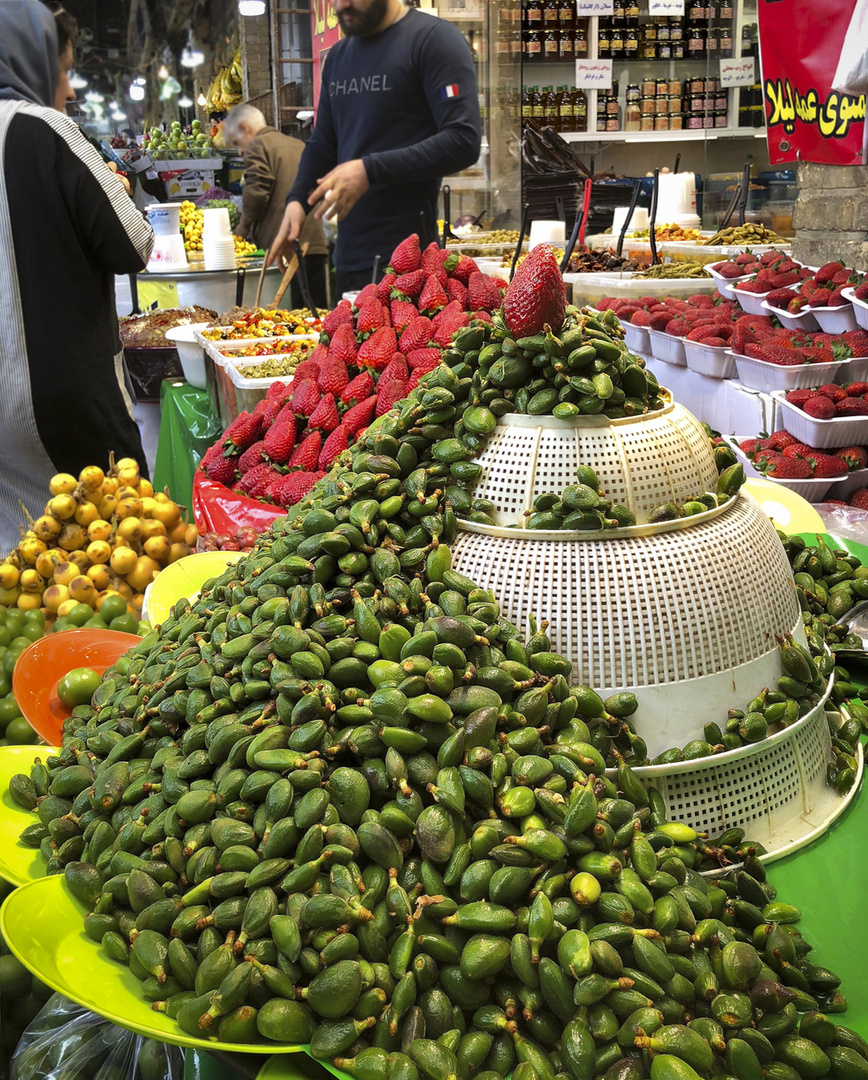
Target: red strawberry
(343,346)
(402,312)
(406,257)
(780,440)
(255,483)
(457,290)
(790,469)
(821,408)
(433,296)
(799,397)
(423,358)
(852,406)
(342,315)
(799,449)
(387,396)
(333,447)
(464,268)
(378,349)
(306,398)
(483,293)
(359,416)
(837,299)
(279,442)
(333,376)
(325,416)
(826,272)
(384,289)
(293,488)
(253,455)
(306,454)
(447,329)
(222,470)
(432,261)
(452,311)
(779,298)
(747,446)
(861,291)
(775,354)
(307,369)
(367,294)
(372,315)
(272,411)
(418,333)
(408,286)
(829,465)
(536,296)
(859,499)
(358,389)
(242,432)
(481,316)
(857,389)
(395,372)
(833,391)
(276,390)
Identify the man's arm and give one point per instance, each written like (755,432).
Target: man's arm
(446,66)
(258,185)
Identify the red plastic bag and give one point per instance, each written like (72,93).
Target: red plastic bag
(218,509)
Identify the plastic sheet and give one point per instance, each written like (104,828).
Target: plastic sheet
(218,509)
(66,1040)
(188,426)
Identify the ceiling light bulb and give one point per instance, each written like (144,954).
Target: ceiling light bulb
(118,115)
(140,80)
(94,97)
(185,102)
(191,56)
(137,92)
(201,100)
(163,73)
(251,7)
(76,81)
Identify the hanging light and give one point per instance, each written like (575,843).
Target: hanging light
(251,7)
(76,81)
(201,101)
(137,92)
(140,80)
(192,56)
(117,115)
(94,97)
(184,102)
(163,73)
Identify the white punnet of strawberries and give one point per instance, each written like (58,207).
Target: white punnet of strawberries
(782,456)
(371,354)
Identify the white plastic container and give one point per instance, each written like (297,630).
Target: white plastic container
(216,224)
(725,284)
(219,254)
(812,490)
(845,487)
(165,218)
(637,338)
(751,302)
(857,369)
(715,361)
(190,352)
(860,307)
(668,348)
(824,434)
(761,375)
(805,322)
(836,320)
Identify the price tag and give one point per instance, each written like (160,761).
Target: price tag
(594,7)
(740,71)
(594,73)
(666,7)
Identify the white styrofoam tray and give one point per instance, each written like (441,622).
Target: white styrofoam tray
(715,361)
(805,320)
(835,320)
(860,307)
(637,338)
(765,377)
(751,303)
(824,434)
(667,347)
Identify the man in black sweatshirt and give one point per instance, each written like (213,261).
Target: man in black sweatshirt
(398,110)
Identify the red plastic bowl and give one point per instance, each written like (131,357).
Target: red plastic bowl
(41,666)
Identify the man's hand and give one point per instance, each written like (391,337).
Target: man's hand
(290,228)
(243,228)
(340,190)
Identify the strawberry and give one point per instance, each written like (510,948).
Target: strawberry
(747,446)
(333,447)
(325,415)
(272,411)
(418,333)
(859,499)
(464,268)
(372,315)
(445,332)
(423,358)
(828,466)
(378,349)
(775,354)
(422,367)
(387,396)
(408,286)
(343,347)
(452,310)
(820,298)
(406,257)
(640,318)
(832,391)
(483,293)
(481,316)
(402,312)
(837,299)
(222,470)
(457,290)
(790,469)
(242,432)
(819,355)
(395,372)
(536,297)
(293,488)
(826,272)
(857,389)
(799,397)
(856,457)
(852,406)
(359,416)
(307,369)
(342,315)
(432,262)
(780,440)
(333,376)
(306,398)
(799,449)
(279,441)
(433,296)
(367,294)
(821,408)
(255,483)
(253,455)
(358,389)
(306,454)
(384,289)
(780,298)
(861,291)
(276,390)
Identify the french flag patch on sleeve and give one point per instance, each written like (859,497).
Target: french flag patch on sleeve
(450,91)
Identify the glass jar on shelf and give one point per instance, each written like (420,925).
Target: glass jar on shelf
(632,116)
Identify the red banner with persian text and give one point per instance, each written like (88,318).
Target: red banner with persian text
(324,32)
(800,43)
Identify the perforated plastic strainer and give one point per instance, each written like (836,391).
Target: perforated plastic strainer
(685,619)
(641,461)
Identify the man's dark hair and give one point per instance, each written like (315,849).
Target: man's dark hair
(67,27)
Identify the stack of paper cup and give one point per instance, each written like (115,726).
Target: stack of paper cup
(218,247)
(547,232)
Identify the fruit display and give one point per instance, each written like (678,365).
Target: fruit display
(831,401)
(243,540)
(262,323)
(148,330)
(103,534)
(740,235)
(669,232)
(702,318)
(781,455)
(178,144)
(600,260)
(243,248)
(273,347)
(193,224)
(743,264)
(816,288)
(226,89)
(277,366)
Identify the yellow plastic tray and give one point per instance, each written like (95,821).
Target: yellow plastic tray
(18,864)
(788,510)
(42,925)
(183,579)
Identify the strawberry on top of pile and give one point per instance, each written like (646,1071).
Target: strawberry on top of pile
(715,321)
(792,288)
(783,457)
(371,353)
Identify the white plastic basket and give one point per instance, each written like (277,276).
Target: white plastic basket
(637,338)
(642,461)
(835,320)
(860,308)
(686,619)
(751,302)
(714,361)
(804,321)
(667,347)
(841,431)
(764,376)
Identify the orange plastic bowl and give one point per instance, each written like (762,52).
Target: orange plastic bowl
(41,666)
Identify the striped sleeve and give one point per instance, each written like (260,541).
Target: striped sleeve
(115,230)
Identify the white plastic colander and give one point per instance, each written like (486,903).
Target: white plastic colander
(641,461)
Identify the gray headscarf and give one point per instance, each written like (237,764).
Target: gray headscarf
(28,52)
